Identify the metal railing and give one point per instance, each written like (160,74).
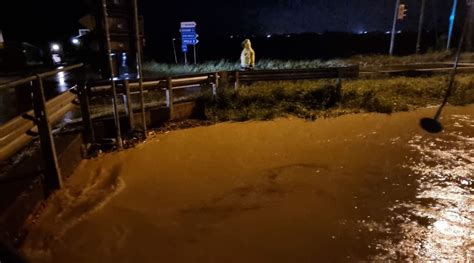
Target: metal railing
(17,133)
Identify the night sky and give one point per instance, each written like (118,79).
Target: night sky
(28,20)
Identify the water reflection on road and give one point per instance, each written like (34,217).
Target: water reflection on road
(444,204)
(15,101)
(357,188)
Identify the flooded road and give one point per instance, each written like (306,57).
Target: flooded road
(366,187)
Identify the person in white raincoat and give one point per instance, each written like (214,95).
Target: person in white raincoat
(247,58)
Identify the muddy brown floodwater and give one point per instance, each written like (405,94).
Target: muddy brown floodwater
(368,187)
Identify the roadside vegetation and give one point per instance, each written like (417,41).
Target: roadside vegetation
(154,69)
(313,99)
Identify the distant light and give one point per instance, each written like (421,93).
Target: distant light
(388,32)
(56,58)
(124,59)
(75,41)
(269,36)
(399,32)
(365,32)
(288,35)
(55,47)
(231,36)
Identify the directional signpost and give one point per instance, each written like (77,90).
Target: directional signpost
(188,37)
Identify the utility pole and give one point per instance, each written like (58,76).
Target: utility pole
(394,26)
(452,18)
(195,55)
(174,51)
(420,26)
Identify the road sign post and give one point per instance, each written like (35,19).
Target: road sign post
(420,27)
(394,27)
(188,37)
(174,51)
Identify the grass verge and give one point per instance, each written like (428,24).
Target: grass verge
(311,99)
(154,69)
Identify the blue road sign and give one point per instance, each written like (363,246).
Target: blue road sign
(190,41)
(190,24)
(189,36)
(188,30)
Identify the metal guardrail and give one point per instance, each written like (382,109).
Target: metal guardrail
(297,74)
(420,67)
(237,77)
(178,82)
(15,134)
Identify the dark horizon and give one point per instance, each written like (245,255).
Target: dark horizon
(35,21)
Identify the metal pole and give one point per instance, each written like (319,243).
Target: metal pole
(185,58)
(52,176)
(174,51)
(394,27)
(216,84)
(420,27)
(131,118)
(452,18)
(169,87)
(455,67)
(195,56)
(88,133)
(435,20)
(139,66)
(237,81)
(111,67)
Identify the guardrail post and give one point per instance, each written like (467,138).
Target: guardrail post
(169,89)
(339,80)
(83,94)
(237,82)
(128,96)
(52,176)
(215,86)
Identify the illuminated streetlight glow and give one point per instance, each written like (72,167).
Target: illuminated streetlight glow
(55,47)
(75,41)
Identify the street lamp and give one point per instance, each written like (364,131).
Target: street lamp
(55,47)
